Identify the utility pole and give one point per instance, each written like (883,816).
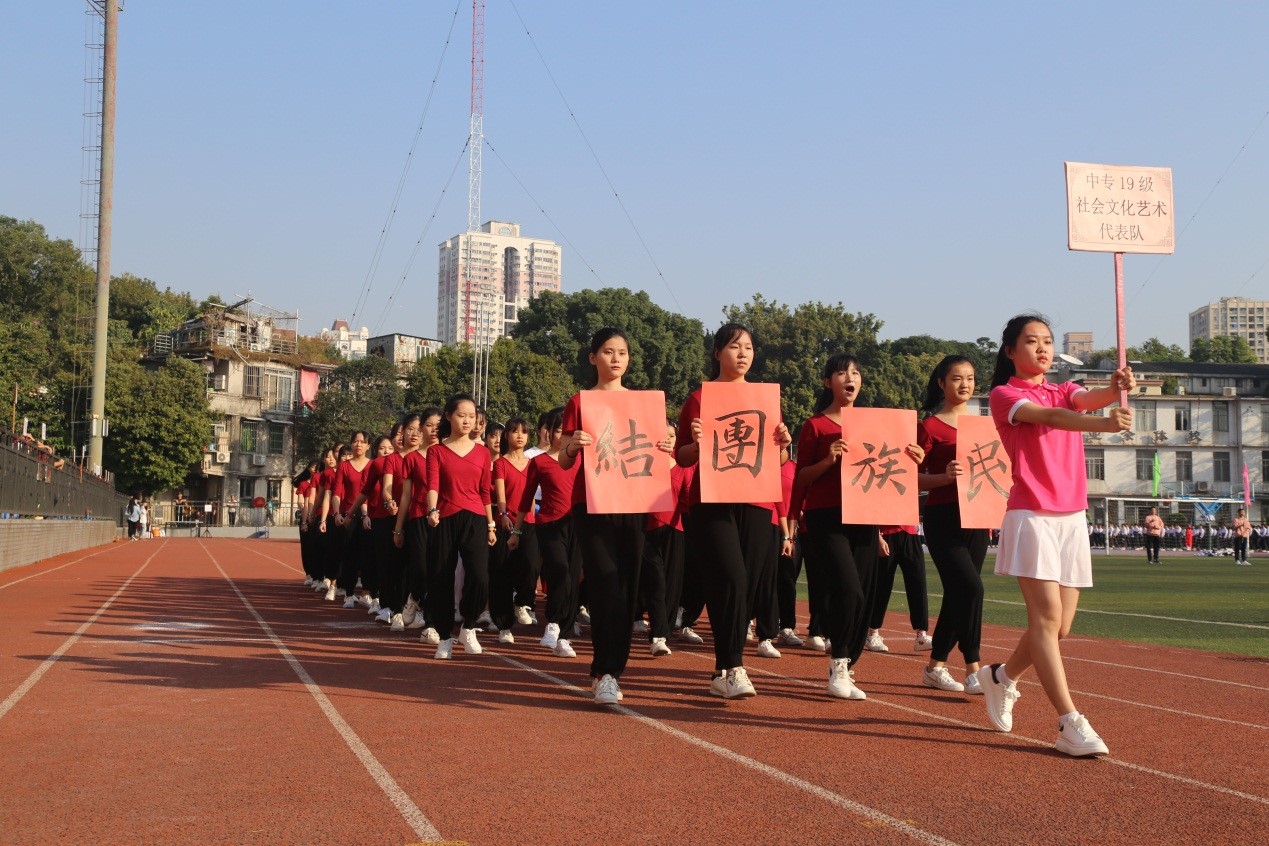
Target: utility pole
(97,409)
(477,324)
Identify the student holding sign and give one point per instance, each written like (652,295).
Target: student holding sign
(957,552)
(845,553)
(611,542)
(1044,538)
(731,539)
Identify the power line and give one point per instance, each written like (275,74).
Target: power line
(595,156)
(409,159)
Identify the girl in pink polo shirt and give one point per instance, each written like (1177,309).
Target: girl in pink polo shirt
(1044,538)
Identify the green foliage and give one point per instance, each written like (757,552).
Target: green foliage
(665,348)
(145,309)
(362,394)
(1153,350)
(313,350)
(1223,349)
(160,422)
(520,381)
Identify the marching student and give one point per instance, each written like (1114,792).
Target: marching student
(730,540)
(846,554)
(458,497)
(328,563)
(957,553)
(493,439)
(661,573)
(379,519)
(510,473)
(554,526)
(611,545)
(351,540)
(901,550)
(303,486)
(1044,538)
(412,532)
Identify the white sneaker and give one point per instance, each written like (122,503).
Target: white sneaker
(606,691)
(658,647)
(924,643)
(875,643)
(788,638)
(374,607)
(364,600)
(749,635)
(409,611)
(815,643)
(350,602)
(467,637)
(385,615)
(767,650)
(398,625)
(641,626)
(551,636)
(732,684)
(840,683)
(523,617)
(563,649)
(1077,738)
(430,635)
(330,594)
(505,636)
(322,586)
(445,649)
(583,616)
(972,685)
(688,636)
(418,622)
(941,679)
(308,581)
(998,697)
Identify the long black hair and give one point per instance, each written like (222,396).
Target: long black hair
(836,364)
(933,390)
(727,333)
(451,405)
(1013,330)
(307,473)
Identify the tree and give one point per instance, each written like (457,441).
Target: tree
(928,350)
(160,422)
(521,382)
(665,349)
(358,395)
(1223,349)
(312,349)
(145,309)
(1153,350)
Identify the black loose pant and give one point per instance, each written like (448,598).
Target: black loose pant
(846,559)
(389,562)
(526,567)
(732,543)
(661,579)
(958,556)
(418,567)
(461,533)
(788,568)
(1153,543)
(611,547)
(906,554)
(356,557)
(765,611)
(562,572)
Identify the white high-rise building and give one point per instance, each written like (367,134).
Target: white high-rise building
(486,277)
(1235,316)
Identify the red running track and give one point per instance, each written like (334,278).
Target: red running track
(191,691)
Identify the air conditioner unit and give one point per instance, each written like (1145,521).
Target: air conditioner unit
(220,382)
(1229,392)
(222,456)
(1202,487)
(257,460)
(218,430)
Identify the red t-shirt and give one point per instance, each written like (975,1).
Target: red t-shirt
(347,485)
(691,411)
(817,435)
(372,487)
(681,485)
(460,481)
(571,423)
(557,488)
(513,482)
(939,442)
(414,467)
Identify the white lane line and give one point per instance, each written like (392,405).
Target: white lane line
(1216,788)
(1030,683)
(257,551)
(106,548)
(918,834)
(414,817)
(14,697)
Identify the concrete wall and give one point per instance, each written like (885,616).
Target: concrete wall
(27,541)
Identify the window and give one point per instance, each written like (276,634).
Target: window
(1264,466)
(1145,465)
(1095,463)
(279,391)
(1220,466)
(1264,419)
(250,436)
(251,382)
(1184,467)
(277,438)
(1145,416)
(275,491)
(1183,418)
(1220,417)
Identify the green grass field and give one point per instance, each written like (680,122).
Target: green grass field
(1186,601)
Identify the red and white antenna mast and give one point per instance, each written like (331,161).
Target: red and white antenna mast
(476,324)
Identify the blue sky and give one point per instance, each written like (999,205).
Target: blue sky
(904,159)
